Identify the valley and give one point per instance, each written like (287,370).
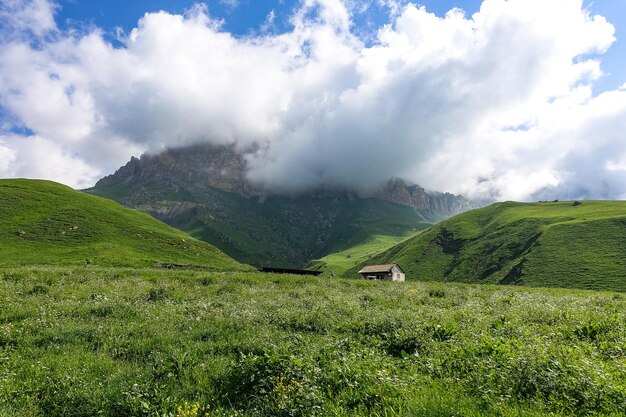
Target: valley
(338,263)
(203,190)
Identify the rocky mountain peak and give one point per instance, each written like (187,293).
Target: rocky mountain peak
(220,167)
(223,168)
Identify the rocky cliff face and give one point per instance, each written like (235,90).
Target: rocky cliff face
(219,167)
(223,168)
(397,191)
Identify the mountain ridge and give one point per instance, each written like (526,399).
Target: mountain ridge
(223,168)
(203,190)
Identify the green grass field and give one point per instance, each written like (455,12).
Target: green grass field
(44,223)
(338,263)
(558,244)
(87,341)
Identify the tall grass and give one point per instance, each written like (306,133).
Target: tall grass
(86,341)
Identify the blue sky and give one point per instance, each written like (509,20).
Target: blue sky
(243,17)
(614,62)
(512,100)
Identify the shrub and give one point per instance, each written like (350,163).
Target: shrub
(441,333)
(156,294)
(271,384)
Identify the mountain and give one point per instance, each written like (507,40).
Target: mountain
(42,222)
(203,190)
(557,244)
(223,168)
(264,231)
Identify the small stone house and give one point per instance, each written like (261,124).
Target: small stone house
(387,272)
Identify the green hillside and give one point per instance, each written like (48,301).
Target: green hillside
(558,244)
(42,222)
(272,231)
(338,263)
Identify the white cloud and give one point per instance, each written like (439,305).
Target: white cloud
(496,104)
(7,161)
(36,16)
(35,157)
(230,3)
(268,24)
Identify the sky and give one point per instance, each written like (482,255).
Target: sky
(500,99)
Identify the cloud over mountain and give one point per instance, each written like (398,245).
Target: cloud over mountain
(496,104)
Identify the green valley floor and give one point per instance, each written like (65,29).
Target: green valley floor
(86,341)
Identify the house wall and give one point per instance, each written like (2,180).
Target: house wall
(397,274)
(382,277)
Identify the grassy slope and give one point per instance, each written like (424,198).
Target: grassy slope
(42,222)
(276,231)
(88,341)
(536,244)
(340,262)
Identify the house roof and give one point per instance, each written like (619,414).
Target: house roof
(373,269)
(290,271)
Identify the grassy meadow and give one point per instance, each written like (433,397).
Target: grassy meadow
(340,262)
(88,340)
